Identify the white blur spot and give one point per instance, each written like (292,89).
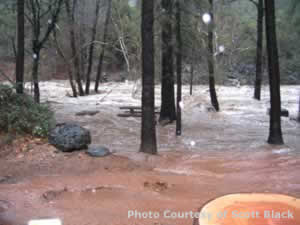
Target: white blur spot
(132,3)
(282,151)
(221,48)
(206,18)
(181,105)
(45,222)
(94,190)
(126,81)
(34,56)
(192,143)
(49,21)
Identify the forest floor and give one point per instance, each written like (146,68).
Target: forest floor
(217,154)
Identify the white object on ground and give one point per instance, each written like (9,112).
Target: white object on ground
(281,151)
(45,222)
(193,143)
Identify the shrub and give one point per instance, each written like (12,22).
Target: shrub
(21,115)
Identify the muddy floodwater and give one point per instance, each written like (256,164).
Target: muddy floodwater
(217,154)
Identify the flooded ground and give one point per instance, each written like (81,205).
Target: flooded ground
(218,154)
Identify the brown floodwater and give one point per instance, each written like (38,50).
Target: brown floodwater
(218,154)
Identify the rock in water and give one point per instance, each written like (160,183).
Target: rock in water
(69,137)
(98,151)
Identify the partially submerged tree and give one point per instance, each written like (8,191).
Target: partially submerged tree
(68,63)
(299,110)
(104,39)
(41,13)
(75,54)
(91,48)
(210,58)
(20,47)
(275,135)
(259,48)
(168,111)
(148,132)
(178,66)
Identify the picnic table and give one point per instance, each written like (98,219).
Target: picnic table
(133,111)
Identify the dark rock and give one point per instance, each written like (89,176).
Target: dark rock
(284,112)
(4,179)
(210,109)
(165,122)
(52,195)
(87,112)
(98,151)
(69,137)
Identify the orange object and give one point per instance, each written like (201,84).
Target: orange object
(251,209)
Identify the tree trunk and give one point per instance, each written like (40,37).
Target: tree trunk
(168,111)
(20,48)
(259,50)
(75,57)
(148,133)
(191,78)
(275,135)
(91,49)
(299,111)
(211,69)
(178,66)
(70,72)
(35,70)
(105,33)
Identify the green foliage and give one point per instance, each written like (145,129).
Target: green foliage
(20,114)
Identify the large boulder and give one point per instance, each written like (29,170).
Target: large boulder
(69,137)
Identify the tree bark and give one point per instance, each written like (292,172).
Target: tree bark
(20,48)
(299,111)
(91,49)
(259,50)
(35,69)
(191,78)
(211,63)
(38,42)
(75,56)
(148,132)
(168,111)
(178,67)
(70,72)
(105,34)
(275,135)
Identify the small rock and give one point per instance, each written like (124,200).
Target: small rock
(165,122)
(4,179)
(98,151)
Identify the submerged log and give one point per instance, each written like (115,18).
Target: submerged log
(251,209)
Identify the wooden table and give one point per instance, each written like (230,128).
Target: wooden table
(133,111)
